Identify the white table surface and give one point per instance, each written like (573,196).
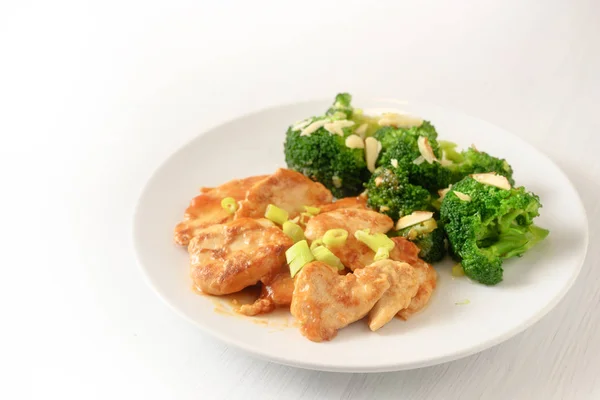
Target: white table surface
(94,96)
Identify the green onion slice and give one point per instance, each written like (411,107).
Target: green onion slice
(325,255)
(316,242)
(312,210)
(375,241)
(382,254)
(335,237)
(293,231)
(276,214)
(229,204)
(298,256)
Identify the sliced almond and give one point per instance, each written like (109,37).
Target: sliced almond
(362,130)
(419,160)
(394,163)
(336,127)
(310,129)
(378,181)
(384,208)
(355,142)
(492,179)
(399,120)
(372,149)
(413,219)
(462,196)
(443,192)
(301,125)
(426,150)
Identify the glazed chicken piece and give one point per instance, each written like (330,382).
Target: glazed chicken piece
(406,251)
(226,258)
(205,209)
(287,189)
(426,278)
(353,254)
(276,291)
(346,202)
(324,301)
(403,287)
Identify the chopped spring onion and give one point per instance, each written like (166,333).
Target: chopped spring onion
(312,210)
(382,254)
(375,241)
(293,231)
(298,256)
(335,237)
(316,243)
(276,214)
(458,270)
(305,217)
(229,204)
(325,255)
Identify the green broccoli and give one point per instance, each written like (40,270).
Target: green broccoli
(489,225)
(429,237)
(341,107)
(323,156)
(400,147)
(472,161)
(390,193)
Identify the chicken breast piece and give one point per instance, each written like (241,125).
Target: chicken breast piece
(324,301)
(346,202)
(427,279)
(205,210)
(287,189)
(225,258)
(276,291)
(403,287)
(353,254)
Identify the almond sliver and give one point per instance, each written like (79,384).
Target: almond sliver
(462,196)
(492,179)
(413,219)
(426,150)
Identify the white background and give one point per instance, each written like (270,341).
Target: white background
(94,95)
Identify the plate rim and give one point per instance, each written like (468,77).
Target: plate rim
(383,367)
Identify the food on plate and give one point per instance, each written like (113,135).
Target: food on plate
(350,230)
(426,233)
(226,258)
(325,301)
(206,209)
(493,223)
(288,190)
(317,148)
(472,161)
(353,253)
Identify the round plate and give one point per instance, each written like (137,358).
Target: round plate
(462,317)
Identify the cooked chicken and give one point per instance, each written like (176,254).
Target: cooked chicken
(276,291)
(287,189)
(407,251)
(353,254)
(205,209)
(403,287)
(324,301)
(404,250)
(346,202)
(225,258)
(426,277)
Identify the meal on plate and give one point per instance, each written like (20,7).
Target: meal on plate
(351,228)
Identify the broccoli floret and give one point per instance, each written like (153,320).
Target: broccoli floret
(495,224)
(390,193)
(324,157)
(341,107)
(401,145)
(472,161)
(429,237)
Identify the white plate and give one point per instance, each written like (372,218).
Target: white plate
(444,331)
